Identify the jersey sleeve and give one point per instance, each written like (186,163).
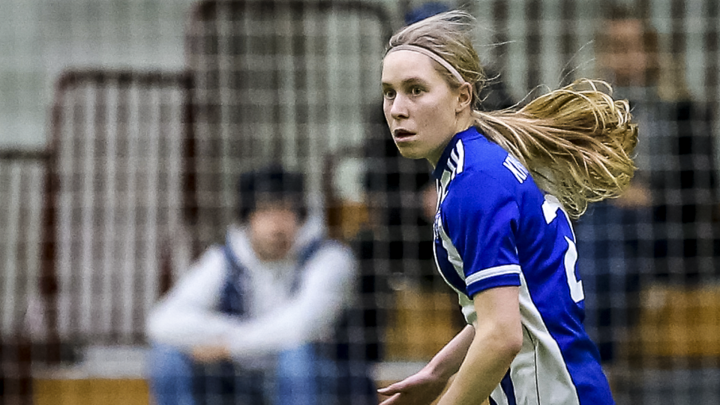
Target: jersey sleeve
(481,217)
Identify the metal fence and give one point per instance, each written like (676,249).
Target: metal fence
(142,169)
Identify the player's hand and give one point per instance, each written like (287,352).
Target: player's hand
(419,389)
(210,353)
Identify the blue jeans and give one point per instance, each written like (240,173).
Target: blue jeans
(301,376)
(175,379)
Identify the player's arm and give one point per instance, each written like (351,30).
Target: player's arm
(425,386)
(497,340)
(448,360)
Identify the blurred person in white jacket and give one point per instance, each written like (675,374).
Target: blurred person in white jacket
(257,320)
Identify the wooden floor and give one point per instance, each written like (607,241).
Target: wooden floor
(92,392)
(421,325)
(95,391)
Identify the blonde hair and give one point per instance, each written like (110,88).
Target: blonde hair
(576,141)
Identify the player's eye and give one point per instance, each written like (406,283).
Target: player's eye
(416,90)
(389,94)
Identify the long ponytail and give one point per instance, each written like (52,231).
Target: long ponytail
(576,141)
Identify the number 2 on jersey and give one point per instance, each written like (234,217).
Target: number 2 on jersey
(550,208)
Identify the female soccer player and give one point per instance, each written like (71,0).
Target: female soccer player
(508,183)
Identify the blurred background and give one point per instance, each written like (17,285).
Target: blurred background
(124,125)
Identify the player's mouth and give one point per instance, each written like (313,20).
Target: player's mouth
(402,134)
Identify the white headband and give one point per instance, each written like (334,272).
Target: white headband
(432,55)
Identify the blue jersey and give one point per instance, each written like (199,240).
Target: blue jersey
(494,227)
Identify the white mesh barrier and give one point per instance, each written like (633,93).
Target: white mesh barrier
(23,177)
(285,82)
(120,147)
(145,165)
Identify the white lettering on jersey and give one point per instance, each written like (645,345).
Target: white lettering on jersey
(550,208)
(576,287)
(516,168)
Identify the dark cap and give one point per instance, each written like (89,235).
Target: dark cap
(271,184)
(424,11)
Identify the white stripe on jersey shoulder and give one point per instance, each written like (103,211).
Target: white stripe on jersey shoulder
(492,272)
(443,186)
(539,368)
(453,255)
(457,157)
(455,166)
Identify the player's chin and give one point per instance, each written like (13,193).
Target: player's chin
(411,151)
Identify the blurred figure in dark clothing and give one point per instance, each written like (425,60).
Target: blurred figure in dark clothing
(662,227)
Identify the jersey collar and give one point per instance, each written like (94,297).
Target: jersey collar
(469,133)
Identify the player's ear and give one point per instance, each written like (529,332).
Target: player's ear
(464,97)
